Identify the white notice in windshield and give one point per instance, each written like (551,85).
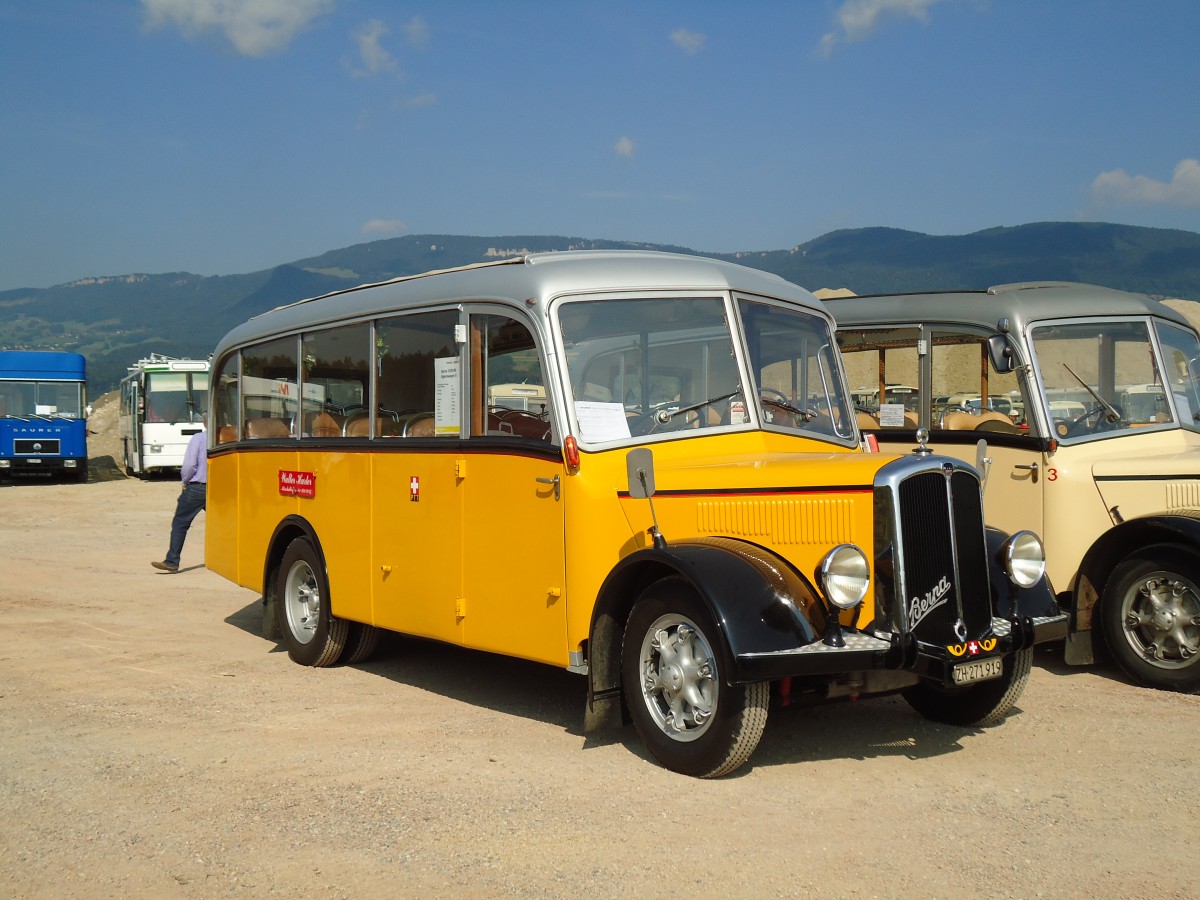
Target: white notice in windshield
(600,422)
(891,415)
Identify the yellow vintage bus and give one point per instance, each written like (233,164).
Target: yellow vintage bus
(708,532)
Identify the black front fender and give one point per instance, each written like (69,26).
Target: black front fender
(1010,600)
(1033,612)
(756,600)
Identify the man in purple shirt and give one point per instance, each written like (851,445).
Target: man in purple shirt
(194,473)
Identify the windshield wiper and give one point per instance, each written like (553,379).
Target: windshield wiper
(663,416)
(806,415)
(1111,413)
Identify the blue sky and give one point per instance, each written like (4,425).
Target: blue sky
(227,136)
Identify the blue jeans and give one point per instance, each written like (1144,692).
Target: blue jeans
(191,501)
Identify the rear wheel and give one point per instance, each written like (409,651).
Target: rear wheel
(360,644)
(986,703)
(1150,614)
(688,718)
(314,637)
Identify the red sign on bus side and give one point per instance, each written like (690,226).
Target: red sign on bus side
(297,484)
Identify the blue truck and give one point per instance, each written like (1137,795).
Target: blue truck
(43,406)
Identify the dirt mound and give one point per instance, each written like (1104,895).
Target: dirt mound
(104,437)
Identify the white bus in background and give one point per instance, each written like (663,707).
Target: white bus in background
(163,403)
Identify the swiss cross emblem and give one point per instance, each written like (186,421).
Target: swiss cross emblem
(973,648)
(414,489)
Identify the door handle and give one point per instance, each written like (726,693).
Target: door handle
(1031,467)
(554,481)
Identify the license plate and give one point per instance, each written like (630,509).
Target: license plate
(978,670)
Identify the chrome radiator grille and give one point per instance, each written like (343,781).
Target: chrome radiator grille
(943,555)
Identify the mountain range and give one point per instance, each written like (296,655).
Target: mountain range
(115,320)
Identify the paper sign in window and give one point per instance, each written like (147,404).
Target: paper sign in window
(446,416)
(891,415)
(599,422)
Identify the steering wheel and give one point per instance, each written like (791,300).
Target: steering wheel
(1078,425)
(648,422)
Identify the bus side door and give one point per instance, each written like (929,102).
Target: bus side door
(513,523)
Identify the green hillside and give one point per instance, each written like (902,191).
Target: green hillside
(115,320)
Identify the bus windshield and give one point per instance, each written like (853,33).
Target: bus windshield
(176,396)
(58,399)
(1103,377)
(650,366)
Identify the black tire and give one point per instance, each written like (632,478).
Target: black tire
(986,703)
(1150,615)
(696,724)
(313,636)
(360,644)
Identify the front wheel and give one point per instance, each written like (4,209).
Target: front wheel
(314,637)
(986,703)
(689,719)
(1150,614)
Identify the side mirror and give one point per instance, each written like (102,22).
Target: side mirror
(640,467)
(1001,354)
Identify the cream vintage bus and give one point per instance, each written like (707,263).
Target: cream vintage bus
(705,523)
(1092,440)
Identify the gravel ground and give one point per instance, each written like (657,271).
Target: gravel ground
(155,745)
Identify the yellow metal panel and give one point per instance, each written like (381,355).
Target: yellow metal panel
(221,527)
(416,543)
(261,507)
(339,512)
(777,521)
(513,548)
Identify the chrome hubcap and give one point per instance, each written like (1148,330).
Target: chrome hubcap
(302,602)
(678,677)
(1161,616)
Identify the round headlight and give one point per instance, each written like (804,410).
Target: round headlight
(1024,559)
(844,576)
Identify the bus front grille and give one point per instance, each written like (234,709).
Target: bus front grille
(944,568)
(36,447)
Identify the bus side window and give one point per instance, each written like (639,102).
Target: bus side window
(506,366)
(884,370)
(226,419)
(270,387)
(336,382)
(410,351)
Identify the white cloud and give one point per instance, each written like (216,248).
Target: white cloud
(254,27)
(624,147)
(417,101)
(1121,189)
(858,19)
(690,42)
(383,226)
(375,59)
(416,32)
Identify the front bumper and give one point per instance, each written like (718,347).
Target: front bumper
(33,464)
(863,652)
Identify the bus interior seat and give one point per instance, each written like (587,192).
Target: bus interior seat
(987,420)
(1002,424)
(266,428)
(359,425)
(420,425)
(325,425)
(227,434)
(518,423)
